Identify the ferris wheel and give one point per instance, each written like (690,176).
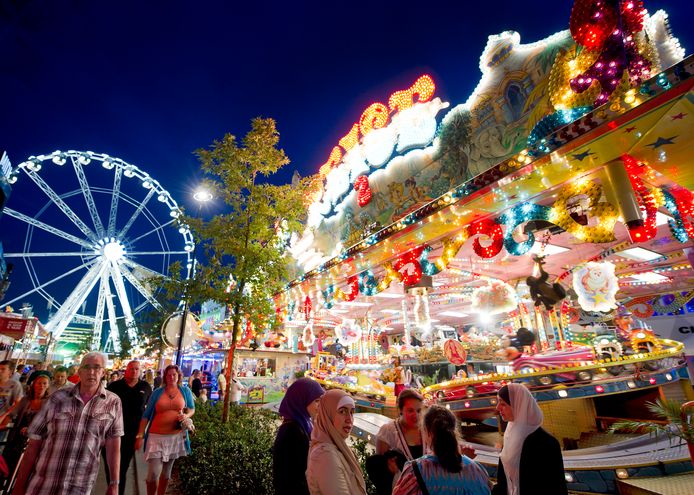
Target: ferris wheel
(95,230)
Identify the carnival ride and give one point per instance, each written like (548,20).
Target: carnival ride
(564,214)
(123,224)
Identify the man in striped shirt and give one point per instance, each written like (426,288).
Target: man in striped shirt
(66,436)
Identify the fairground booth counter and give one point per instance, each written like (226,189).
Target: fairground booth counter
(265,365)
(540,232)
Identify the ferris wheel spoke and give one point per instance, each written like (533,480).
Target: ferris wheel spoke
(44,255)
(112,321)
(123,300)
(114,201)
(45,284)
(155,229)
(99,315)
(58,201)
(140,288)
(139,209)
(87,193)
(156,253)
(48,228)
(62,318)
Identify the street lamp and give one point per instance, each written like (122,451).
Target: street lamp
(202,196)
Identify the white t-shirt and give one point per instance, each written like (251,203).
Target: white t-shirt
(236,388)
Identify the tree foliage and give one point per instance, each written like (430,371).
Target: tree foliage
(168,292)
(676,424)
(245,246)
(241,252)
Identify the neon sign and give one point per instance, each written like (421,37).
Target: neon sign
(377,116)
(408,121)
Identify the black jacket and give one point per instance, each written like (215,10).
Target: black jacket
(541,467)
(289,460)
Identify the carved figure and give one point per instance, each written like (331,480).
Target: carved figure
(541,291)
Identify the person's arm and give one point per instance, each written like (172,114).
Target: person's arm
(17,395)
(26,466)
(147,417)
(382,445)
(113,462)
(555,466)
(289,458)
(407,484)
(330,475)
(139,438)
(501,486)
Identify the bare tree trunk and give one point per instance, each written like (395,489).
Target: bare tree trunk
(230,363)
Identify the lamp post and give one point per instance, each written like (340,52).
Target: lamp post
(202,196)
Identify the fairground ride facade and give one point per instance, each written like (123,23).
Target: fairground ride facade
(556,200)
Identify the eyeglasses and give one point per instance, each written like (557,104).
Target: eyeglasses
(91,367)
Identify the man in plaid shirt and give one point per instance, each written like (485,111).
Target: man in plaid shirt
(66,436)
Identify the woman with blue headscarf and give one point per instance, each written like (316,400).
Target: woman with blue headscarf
(290,451)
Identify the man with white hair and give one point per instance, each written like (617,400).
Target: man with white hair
(65,437)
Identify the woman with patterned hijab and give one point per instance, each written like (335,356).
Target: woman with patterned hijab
(531,460)
(333,468)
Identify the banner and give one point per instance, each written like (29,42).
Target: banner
(680,328)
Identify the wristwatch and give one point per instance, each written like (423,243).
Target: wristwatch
(114,482)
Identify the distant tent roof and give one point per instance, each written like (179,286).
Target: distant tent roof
(15,326)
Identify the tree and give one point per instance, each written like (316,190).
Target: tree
(245,247)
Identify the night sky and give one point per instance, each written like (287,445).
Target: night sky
(151,81)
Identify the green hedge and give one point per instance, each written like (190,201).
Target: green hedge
(236,457)
(231,458)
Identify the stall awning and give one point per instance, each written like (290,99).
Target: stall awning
(15,326)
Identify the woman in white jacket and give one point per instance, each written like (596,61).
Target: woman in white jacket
(333,468)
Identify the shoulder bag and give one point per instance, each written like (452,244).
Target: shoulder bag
(420,480)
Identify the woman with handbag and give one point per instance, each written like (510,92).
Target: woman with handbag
(446,471)
(403,433)
(333,469)
(164,429)
(531,460)
(290,451)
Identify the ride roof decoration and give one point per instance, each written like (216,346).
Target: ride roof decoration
(642,128)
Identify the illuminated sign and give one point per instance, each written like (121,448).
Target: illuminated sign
(377,116)
(407,122)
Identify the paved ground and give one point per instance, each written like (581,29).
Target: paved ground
(135,484)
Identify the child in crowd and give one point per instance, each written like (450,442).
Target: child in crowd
(396,462)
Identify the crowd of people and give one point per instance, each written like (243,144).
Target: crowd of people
(57,422)
(419,452)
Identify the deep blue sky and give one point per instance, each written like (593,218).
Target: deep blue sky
(151,81)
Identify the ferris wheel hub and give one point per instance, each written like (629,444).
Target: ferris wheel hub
(113,251)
